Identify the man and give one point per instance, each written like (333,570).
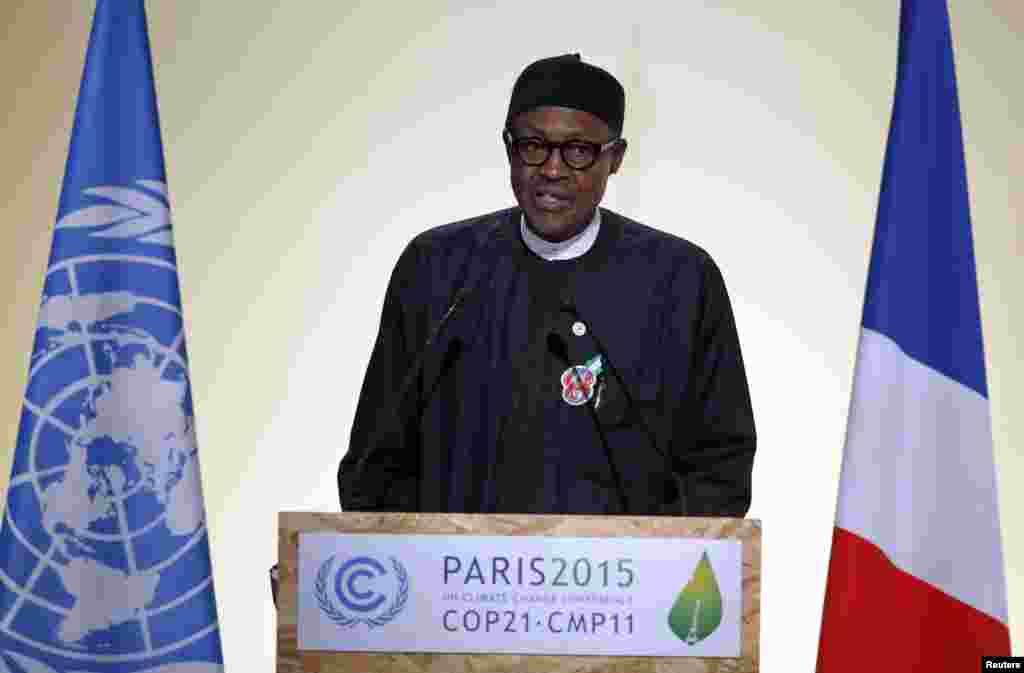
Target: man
(555,357)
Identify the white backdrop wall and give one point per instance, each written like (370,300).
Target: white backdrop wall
(306,143)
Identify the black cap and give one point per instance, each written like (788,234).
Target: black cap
(566,81)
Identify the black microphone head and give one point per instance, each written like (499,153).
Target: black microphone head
(568,304)
(557,345)
(463,294)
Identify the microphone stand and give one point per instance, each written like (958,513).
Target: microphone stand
(557,345)
(679,481)
(392,421)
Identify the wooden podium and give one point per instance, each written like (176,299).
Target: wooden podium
(291,660)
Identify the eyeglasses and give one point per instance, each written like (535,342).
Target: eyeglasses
(577,154)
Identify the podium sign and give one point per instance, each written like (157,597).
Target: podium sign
(666,597)
(369,592)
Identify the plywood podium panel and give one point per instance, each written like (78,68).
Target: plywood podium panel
(291,660)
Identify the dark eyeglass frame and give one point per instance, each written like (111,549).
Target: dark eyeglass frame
(511,143)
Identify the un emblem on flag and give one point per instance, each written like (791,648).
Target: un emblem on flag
(106,556)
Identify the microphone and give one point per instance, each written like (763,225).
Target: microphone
(392,417)
(557,346)
(456,306)
(674,482)
(421,358)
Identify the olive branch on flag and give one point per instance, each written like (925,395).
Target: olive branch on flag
(134,213)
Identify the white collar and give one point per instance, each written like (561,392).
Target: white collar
(570,248)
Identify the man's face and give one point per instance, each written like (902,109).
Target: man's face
(559,200)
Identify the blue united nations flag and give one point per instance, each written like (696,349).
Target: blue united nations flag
(104,558)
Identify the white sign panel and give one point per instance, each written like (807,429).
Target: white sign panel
(520,595)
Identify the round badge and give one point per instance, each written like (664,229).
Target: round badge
(578,387)
(578,328)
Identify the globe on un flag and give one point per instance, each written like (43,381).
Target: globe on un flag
(109,559)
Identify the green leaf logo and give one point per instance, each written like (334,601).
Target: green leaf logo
(697,611)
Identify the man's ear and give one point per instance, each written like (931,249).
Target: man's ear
(507,146)
(617,154)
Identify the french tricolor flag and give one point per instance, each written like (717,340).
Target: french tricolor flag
(916,580)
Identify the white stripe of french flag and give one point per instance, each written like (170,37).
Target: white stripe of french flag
(916,579)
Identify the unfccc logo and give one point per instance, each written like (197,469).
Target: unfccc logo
(363,591)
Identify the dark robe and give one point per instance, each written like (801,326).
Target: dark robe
(483,426)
